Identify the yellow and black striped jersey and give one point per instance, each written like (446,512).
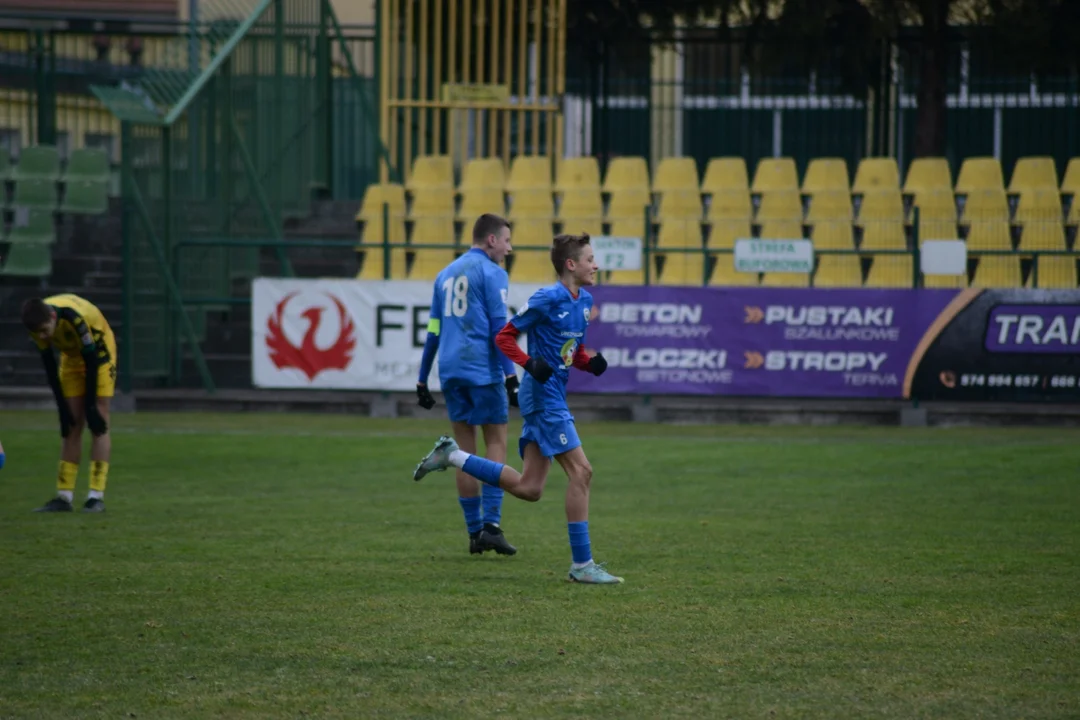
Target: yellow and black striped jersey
(79,326)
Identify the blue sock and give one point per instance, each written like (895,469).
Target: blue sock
(493,498)
(471,508)
(2,461)
(484,470)
(580,549)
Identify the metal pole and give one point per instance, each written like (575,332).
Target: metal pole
(127,365)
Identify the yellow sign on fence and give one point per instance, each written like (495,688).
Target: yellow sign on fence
(475,92)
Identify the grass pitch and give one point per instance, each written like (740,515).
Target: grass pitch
(287,566)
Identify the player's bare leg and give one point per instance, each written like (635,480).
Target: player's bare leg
(579,473)
(100,455)
(492,537)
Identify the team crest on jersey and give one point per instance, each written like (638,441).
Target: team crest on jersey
(566,352)
(586,311)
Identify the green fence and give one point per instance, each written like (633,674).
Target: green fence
(704,97)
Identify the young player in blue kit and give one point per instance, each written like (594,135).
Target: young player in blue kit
(555,319)
(468,308)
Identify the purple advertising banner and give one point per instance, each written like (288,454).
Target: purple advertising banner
(759,341)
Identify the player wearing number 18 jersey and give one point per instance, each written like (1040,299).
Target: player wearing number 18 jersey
(468,308)
(556,319)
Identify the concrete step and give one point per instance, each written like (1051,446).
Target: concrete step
(227,370)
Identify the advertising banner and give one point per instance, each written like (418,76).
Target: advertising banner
(343,334)
(932,344)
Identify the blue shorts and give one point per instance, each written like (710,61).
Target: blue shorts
(476,404)
(553,431)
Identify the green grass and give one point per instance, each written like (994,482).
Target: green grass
(256,566)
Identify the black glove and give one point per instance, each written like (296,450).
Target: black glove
(512,386)
(423,397)
(66,420)
(94,421)
(597,364)
(539,369)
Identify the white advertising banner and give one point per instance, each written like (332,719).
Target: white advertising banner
(344,334)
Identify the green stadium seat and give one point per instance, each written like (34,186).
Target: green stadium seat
(39,228)
(40,162)
(86,197)
(88,164)
(28,260)
(36,193)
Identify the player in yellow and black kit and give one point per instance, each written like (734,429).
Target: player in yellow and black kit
(83,385)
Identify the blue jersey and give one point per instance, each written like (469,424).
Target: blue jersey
(468,308)
(555,322)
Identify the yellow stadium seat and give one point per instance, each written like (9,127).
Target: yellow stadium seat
(881,217)
(433,231)
(775,174)
(878,173)
(929,173)
(938,221)
(628,227)
(980,173)
(626,277)
(724,233)
(986,213)
(532,267)
(1070,185)
(628,203)
(483,174)
(581,173)
(1034,173)
(1039,213)
(627,173)
(371,263)
(730,205)
(1057,271)
(432,202)
(531,204)
(724,273)
(785,279)
(531,233)
(726,174)
(379,199)
(681,268)
(529,172)
(833,235)
(829,205)
(679,204)
(997,271)
(891,271)
(476,202)
(779,205)
(576,225)
(428,263)
(838,271)
(581,203)
(936,205)
(376,196)
(945,281)
(676,173)
(431,172)
(679,234)
(1071,182)
(781,230)
(825,174)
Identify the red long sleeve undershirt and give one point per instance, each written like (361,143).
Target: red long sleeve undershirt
(506,341)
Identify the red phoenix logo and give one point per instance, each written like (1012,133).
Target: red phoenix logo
(308,358)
